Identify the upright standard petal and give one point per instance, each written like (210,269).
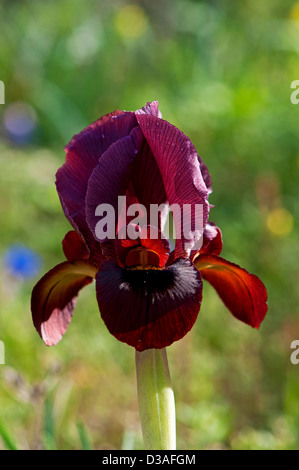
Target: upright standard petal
(182,178)
(146,183)
(54,298)
(82,156)
(243,294)
(109,181)
(149,308)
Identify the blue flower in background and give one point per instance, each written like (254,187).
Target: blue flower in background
(20,122)
(21,262)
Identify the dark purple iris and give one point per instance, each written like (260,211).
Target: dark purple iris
(147,296)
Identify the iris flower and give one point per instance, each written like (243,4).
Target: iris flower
(148,295)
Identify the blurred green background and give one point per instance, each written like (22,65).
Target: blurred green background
(222,73)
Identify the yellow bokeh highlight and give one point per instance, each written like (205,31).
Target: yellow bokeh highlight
(280,222)
(131,21)
(294,14)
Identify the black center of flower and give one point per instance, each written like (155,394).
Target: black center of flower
(149,307)
(149,279)
(180,276)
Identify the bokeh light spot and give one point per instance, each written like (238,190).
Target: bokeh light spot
(131,21)
(294,14)
(280,222)
(19,122)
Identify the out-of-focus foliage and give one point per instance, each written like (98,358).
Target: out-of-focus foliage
(222,73)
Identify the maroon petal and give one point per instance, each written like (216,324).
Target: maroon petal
(181,174)
(110,179)
(211,241)
(74,247)
(149,309)
(206,175)
(243,294)
(82,156)
(146,184)
(93,126)
(54,298)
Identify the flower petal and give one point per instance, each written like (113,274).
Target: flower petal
(54,298)
(243,294)
(82,156)
(206,175)
(77,138)
(151,308)
(74,246)
(146,183)
(110,179)
(181,174)
(211,241)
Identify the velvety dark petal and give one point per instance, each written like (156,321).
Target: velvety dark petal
(146,184)
(150,108)
(110,179)
(74,247)
(179,166)
(54,298)
(243,294)
(93,126)
(149,308)
(82,156)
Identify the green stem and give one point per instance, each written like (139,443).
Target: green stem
(156,400)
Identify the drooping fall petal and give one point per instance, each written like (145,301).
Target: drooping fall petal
(243,293)
(149,309)
(181,174)
(54,298)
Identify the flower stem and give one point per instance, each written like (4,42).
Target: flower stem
(156,400)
